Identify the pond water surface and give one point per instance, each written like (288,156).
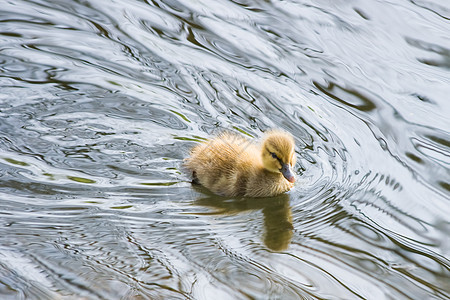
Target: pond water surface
(101,101)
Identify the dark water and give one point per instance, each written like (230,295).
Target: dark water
(101,101)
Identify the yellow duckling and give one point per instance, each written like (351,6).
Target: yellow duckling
(231,165)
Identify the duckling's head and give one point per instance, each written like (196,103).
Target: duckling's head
(278,153)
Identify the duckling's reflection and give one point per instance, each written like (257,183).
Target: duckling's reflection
(277,215)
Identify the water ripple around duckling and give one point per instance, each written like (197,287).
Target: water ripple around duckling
(101,102)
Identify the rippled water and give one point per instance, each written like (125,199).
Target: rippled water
(101,101)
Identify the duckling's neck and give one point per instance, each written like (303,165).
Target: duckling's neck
(274,176)
(267,183)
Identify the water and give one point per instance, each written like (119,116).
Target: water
(102,100)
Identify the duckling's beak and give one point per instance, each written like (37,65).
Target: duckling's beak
(288,173)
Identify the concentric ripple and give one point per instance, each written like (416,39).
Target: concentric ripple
(101,101)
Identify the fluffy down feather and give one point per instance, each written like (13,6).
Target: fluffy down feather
(232,165)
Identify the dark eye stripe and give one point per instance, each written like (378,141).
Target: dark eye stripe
(275,156)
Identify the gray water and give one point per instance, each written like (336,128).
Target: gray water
(102,100)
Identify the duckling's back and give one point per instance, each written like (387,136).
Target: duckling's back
(224,164)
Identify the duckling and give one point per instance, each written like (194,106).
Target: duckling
(231,165)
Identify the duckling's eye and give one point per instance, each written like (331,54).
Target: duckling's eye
(274,155)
